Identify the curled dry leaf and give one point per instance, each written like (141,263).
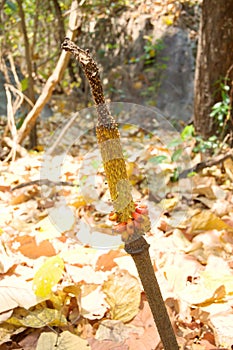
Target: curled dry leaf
(123,294)
(206,220)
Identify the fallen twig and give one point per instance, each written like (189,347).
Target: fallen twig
(42,182)
(206,164)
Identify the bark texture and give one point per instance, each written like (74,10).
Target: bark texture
(214,60)
(52,81)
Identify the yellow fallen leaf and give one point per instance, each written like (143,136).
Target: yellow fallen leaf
(60,219)
(217,273)
(228,165)
(79,255)
(123,295)
(48,276)
(213,281)
(168,20)
(45,229)
(203,186)
(206,221)
(78,202)
(39,318)
(169,203)
(199,295)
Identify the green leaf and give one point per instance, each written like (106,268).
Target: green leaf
(192,173)
(187,132)
(175,142)
(226,87)
(157,159)
(24,84)
(175,176)
(214,113)
(11,5)
(176,154)
(217,105)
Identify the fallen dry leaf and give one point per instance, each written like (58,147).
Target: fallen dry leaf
(106,345)
(62,341)
(16,292)
(7,331)
(206,221)
(116,331)
(106,261)
(85,274)
(145,335)
(5,188)
(38,318)
(223,329)
(79,255)
(27,246)
(30,341)
(228,165)
(90,308)
(123,295)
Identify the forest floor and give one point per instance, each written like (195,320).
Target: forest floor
(66,281)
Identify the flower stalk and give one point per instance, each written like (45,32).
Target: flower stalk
(132,220)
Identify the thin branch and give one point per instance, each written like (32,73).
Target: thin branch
(11,123)
(61,135)
(42,182)
(206,164)
(19,149)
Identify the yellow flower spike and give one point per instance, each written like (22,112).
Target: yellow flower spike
(108,138)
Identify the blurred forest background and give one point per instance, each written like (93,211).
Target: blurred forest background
(146,52)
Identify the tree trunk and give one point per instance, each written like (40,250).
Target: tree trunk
(30,90)
(214,61)
(61,32)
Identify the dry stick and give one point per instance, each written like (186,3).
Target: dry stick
(42,182)
(115,169)
(206,164)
